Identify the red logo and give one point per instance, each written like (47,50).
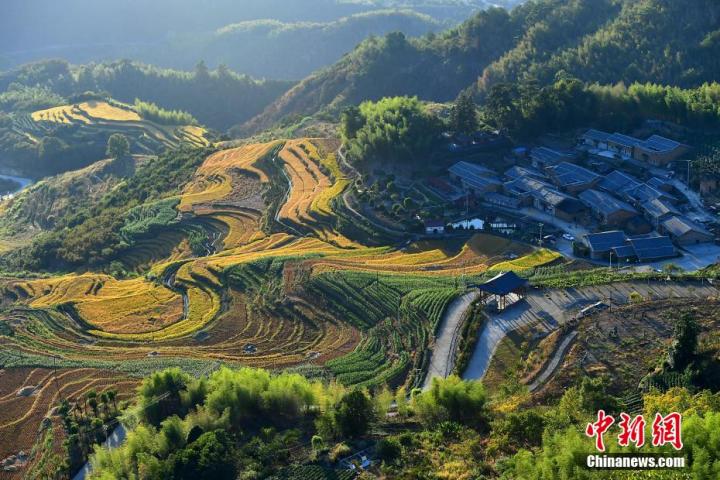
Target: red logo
(666,430)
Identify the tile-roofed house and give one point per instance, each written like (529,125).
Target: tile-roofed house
(595,139)
(644,193)
(476,178)
(519,172)
(434,227)
(659,151)
(649,249)
(684,231)
(660,184)
(573,178)
(618,181)
(609,209)
(545,157)
(624,145)
(658,209)
(544,196)
(601,244)
(502,200)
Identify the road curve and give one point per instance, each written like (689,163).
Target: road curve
(550,308)
(448,333)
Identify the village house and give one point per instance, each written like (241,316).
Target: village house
(608,209)
(684,231)
(600,245)
(658,209)
(573,178)
(655,150)
(475,178)
(543,157)
(543,196)
(615,245)
(434,227)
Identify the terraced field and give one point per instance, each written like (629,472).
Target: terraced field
(29,395)
(274,286)
(112,117)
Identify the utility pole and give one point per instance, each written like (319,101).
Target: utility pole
(540,241)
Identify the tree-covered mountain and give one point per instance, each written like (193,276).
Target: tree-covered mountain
(256,37)
(603,41)
(433,67)
(217,98)
(280,50)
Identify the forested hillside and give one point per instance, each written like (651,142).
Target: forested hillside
(178,34)
(218,98)
(666,41)
(295,50)
(434,67)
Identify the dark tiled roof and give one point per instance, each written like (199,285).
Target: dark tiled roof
(652,248)
(597,135)
(658,208)
(502,200)
(605,203)
(503,284)
(474,175)
(519,172)
(624,140)
(568,174)
(605,241)
(656,143)
(549,156)
(617,181)
(658,183)
(677,226)
(644,193)
(624,251)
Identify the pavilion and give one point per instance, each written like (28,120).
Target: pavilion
(502,286)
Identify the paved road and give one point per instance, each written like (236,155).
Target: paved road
(546,310)
(443,352)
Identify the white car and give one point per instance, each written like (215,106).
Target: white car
(569,237)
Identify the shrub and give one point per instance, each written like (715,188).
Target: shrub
(452,399)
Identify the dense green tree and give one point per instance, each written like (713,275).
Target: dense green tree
(684,347)
(118,146)
(354,414)
(210,456)
(351,121)
(463,116)
(393,129)
(453,400)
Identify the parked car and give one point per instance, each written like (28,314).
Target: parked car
(549,239)
(569,237)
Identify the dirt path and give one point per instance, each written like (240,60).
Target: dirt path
(553,363)
(548,309)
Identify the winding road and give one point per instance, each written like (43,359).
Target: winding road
(447,336)
(545,310)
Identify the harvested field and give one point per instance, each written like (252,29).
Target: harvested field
(21,417)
